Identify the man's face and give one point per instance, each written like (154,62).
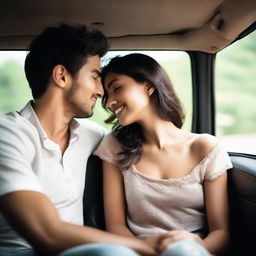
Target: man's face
(86,88)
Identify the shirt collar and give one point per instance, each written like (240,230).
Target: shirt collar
(29,113)
(74,130)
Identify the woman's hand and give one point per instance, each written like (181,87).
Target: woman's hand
(175,235)
(154,241)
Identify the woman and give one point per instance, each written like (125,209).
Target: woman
(159,179)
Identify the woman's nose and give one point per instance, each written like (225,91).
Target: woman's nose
(111,103)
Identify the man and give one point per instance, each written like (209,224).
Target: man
(44,151)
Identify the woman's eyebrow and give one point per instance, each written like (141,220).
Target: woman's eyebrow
(111,82)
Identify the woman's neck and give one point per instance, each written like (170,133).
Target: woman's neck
(158,132)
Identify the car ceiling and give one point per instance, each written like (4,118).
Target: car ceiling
(204,25)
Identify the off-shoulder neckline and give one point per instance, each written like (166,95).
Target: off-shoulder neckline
(182,179)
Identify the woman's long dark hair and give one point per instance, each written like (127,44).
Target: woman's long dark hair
(142,68)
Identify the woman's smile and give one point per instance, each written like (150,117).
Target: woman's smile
(119,110)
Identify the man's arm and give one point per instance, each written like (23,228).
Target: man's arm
(37,220)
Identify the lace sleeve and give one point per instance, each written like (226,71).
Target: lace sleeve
(108,149)
(218,163)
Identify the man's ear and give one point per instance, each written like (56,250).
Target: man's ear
(60,76)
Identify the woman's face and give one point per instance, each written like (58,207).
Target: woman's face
(128,99)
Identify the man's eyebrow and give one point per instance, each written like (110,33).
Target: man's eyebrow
(97,72)
(111,82)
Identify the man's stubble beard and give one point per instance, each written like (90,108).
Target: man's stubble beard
(79,110)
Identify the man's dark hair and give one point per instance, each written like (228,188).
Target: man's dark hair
(66,45)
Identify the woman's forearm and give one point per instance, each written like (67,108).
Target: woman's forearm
(120,230)
(216,242)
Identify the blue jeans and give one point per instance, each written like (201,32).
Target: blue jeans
(185,248)
(99,250)
(180,248)
(87,250)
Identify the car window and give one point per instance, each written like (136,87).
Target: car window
(15,91)
(236,95)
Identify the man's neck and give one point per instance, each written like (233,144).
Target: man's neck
(54,119)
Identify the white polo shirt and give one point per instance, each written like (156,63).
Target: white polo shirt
(31,161)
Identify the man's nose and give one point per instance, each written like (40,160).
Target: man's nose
(100,90)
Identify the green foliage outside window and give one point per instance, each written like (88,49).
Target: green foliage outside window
(236,88)
(15,91)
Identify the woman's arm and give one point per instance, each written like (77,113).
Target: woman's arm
(115,206)
(217,215)
(216,201)
(114,200)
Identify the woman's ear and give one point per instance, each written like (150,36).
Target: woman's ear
(60,76)
(149,89)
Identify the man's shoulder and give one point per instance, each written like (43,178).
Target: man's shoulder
(13,123)
(11,120)
(91,128)
(91,133)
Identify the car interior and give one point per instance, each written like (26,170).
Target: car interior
(201,28)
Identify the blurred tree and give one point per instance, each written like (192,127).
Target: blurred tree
(236,87)
(14,89)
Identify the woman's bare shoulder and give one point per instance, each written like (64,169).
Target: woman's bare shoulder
(202,144)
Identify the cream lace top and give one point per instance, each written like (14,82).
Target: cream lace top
(154,205)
